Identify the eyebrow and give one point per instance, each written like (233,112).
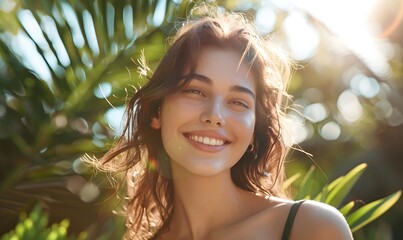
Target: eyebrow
(207,80)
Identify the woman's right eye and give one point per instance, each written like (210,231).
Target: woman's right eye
(194,91)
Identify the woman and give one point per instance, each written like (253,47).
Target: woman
(203,145)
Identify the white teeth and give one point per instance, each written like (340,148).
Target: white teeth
(207,140)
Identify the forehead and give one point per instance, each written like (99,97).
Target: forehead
(224,66)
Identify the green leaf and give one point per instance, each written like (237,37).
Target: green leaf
(322,195)
(347,208)
(305,186)
(34,226)
(371,211)
(339,189)
(287,183)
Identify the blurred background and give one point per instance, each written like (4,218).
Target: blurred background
(67,66)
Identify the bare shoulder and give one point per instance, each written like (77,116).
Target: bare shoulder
(316,220)
(313,221)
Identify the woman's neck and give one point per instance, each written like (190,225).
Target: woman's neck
(204,204)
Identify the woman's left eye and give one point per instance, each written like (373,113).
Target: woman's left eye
(240,103)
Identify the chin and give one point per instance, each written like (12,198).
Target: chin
(206,170)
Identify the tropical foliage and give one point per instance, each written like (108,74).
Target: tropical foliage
(34,227)
(57,61)
(67,66)
(335,193)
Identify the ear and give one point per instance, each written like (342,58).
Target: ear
(155,123)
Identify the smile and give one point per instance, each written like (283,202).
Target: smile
(207,140)
(210,141)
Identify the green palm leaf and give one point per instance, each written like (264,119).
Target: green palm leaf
(347,208)
(304,190)
(371,211)
(336,191)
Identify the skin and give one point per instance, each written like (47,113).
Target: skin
(219,104)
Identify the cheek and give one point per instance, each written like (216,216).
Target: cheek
(244,128)
(169,118)
(174,115)
(245,124)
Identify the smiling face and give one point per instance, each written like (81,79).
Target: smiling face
(207,126)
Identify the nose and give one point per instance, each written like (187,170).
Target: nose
(213,114)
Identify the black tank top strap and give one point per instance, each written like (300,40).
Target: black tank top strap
(290,219)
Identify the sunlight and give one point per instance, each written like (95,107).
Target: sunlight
(351,22)
(393,26)
(343,16)
(302,37)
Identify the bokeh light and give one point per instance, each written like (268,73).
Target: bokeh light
(89,192)
(364,86)
(114,118)
(396,118)
(330,131)
(265,20)
(299,129)
(103,90)
(316,112)
(349,106)
(7,5)
(382,110)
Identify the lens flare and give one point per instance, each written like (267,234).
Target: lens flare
(395,23)
(152,165)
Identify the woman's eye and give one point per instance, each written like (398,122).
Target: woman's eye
(240,103)
(194,91)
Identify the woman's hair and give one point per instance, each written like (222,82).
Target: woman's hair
(139,151)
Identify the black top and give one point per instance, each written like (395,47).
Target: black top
(290,219)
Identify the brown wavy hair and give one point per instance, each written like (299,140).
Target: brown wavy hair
(139,151)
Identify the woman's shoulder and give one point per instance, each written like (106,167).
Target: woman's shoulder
(313,220)
(317,220)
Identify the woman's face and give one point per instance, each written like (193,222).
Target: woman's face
(207,126)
